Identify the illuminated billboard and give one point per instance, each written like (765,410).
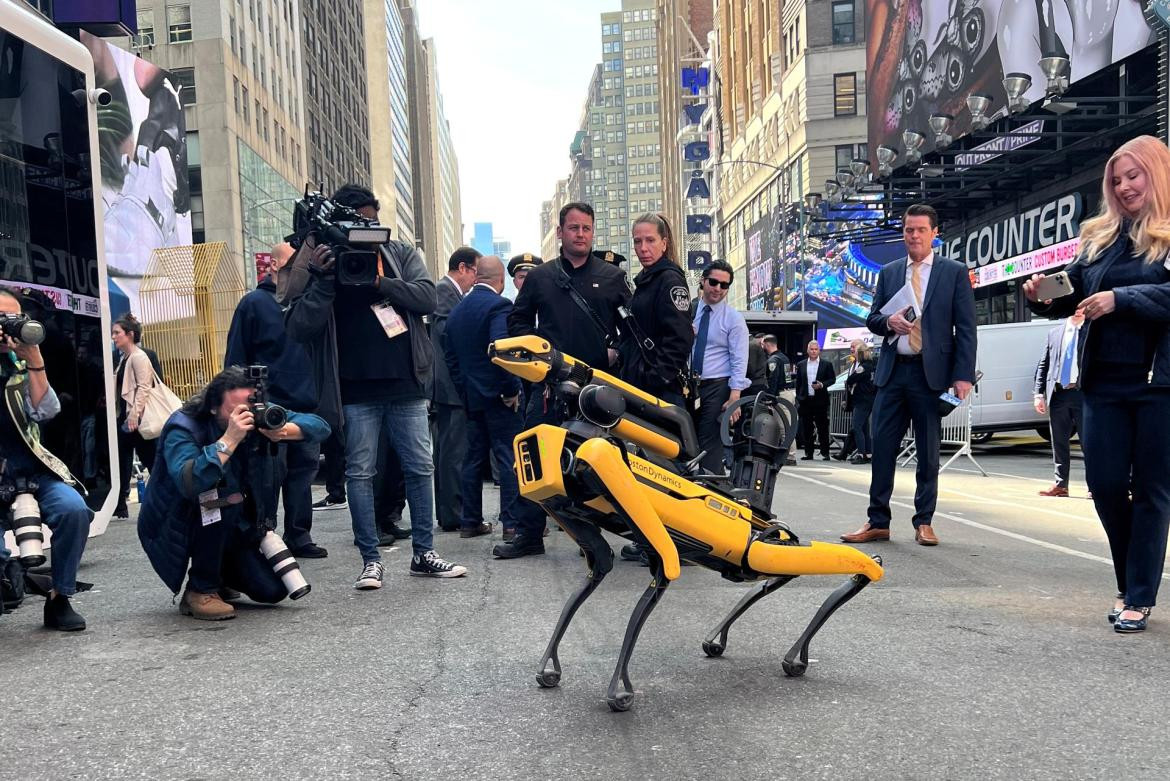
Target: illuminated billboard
(143,150)
(927,56)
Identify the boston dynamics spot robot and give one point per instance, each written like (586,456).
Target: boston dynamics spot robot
(628,463)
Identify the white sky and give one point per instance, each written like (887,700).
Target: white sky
(514,75)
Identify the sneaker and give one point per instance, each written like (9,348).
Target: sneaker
(371,577)
(632,552)
(331,503)
(431,566)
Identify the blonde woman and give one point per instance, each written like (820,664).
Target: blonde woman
(861,394)
(135,376)
(661,306)
(1121,284)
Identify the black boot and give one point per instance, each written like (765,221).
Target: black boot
(59,614)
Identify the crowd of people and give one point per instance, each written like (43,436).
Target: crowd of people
(391,381)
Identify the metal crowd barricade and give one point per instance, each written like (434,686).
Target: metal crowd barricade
(956,432)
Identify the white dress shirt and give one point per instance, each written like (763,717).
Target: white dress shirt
(811,371)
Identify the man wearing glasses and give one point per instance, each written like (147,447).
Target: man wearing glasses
(719,357)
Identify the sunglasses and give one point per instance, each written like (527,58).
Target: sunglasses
(717,283)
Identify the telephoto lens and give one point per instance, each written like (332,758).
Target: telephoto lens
(283,564)
(26,527)
(22,328)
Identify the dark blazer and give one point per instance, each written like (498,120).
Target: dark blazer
(1048,369)
(449,295)
(1144,304)
(825,376)
(948,323)
(859,385)
(479,319)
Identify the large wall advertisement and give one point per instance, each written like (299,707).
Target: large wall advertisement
(143,148)
(928,56)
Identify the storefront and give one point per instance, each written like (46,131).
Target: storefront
(1011,146)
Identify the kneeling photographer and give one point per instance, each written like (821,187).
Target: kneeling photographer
(207,498)
(34,483)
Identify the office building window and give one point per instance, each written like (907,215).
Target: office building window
(843,22)
(236,94)
(179,23)
(844,156)
(845,94)
(146,27)
(185,81)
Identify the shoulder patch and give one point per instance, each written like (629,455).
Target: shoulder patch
(681,298)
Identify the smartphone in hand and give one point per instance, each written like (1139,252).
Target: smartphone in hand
(1054,286)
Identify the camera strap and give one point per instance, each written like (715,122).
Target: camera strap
(566,283)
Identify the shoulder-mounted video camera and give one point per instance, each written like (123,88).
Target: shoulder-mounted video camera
(354,239)
(266,414)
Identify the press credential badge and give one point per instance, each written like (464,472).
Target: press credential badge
(392,322)
(209,515)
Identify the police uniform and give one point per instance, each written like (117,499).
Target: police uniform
(661,307)
(524,261)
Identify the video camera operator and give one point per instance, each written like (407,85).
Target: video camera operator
(27,468)
(362,315)
(257,336)
(208,493)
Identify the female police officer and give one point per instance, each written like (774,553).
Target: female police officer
(661,310)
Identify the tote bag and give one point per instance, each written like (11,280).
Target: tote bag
(161,402)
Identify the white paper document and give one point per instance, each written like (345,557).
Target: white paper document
(902,299)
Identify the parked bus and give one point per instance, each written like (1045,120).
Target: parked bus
(51,238)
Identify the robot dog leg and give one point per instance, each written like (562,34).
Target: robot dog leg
(599,560)
(796,660)
(610,476)
(716,642)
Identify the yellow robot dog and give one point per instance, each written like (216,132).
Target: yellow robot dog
(628,463)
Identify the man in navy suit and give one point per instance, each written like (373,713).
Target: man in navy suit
(490,394)
(813,378)
(926,349)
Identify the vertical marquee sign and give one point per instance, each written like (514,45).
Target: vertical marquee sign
(696,150)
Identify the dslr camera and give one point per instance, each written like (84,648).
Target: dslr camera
(22,328)
(355,241)
(266,414)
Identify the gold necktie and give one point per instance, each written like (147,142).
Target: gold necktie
(916,284)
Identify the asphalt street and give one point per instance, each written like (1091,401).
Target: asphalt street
(986,657)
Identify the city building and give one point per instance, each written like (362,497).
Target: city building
(483,239)
(683,30)
(791,113)
(502,249)
(386,82)
(550,246)
(437,196)
(335,89)
(241,69)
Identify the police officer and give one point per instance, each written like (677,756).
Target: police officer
(656,346)
(519,266)
(572,302)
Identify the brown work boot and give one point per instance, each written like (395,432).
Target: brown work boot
(205,607)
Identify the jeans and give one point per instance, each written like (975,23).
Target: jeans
(405,426)
(223,555)
(65,513)
(491,430)
(130,442)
